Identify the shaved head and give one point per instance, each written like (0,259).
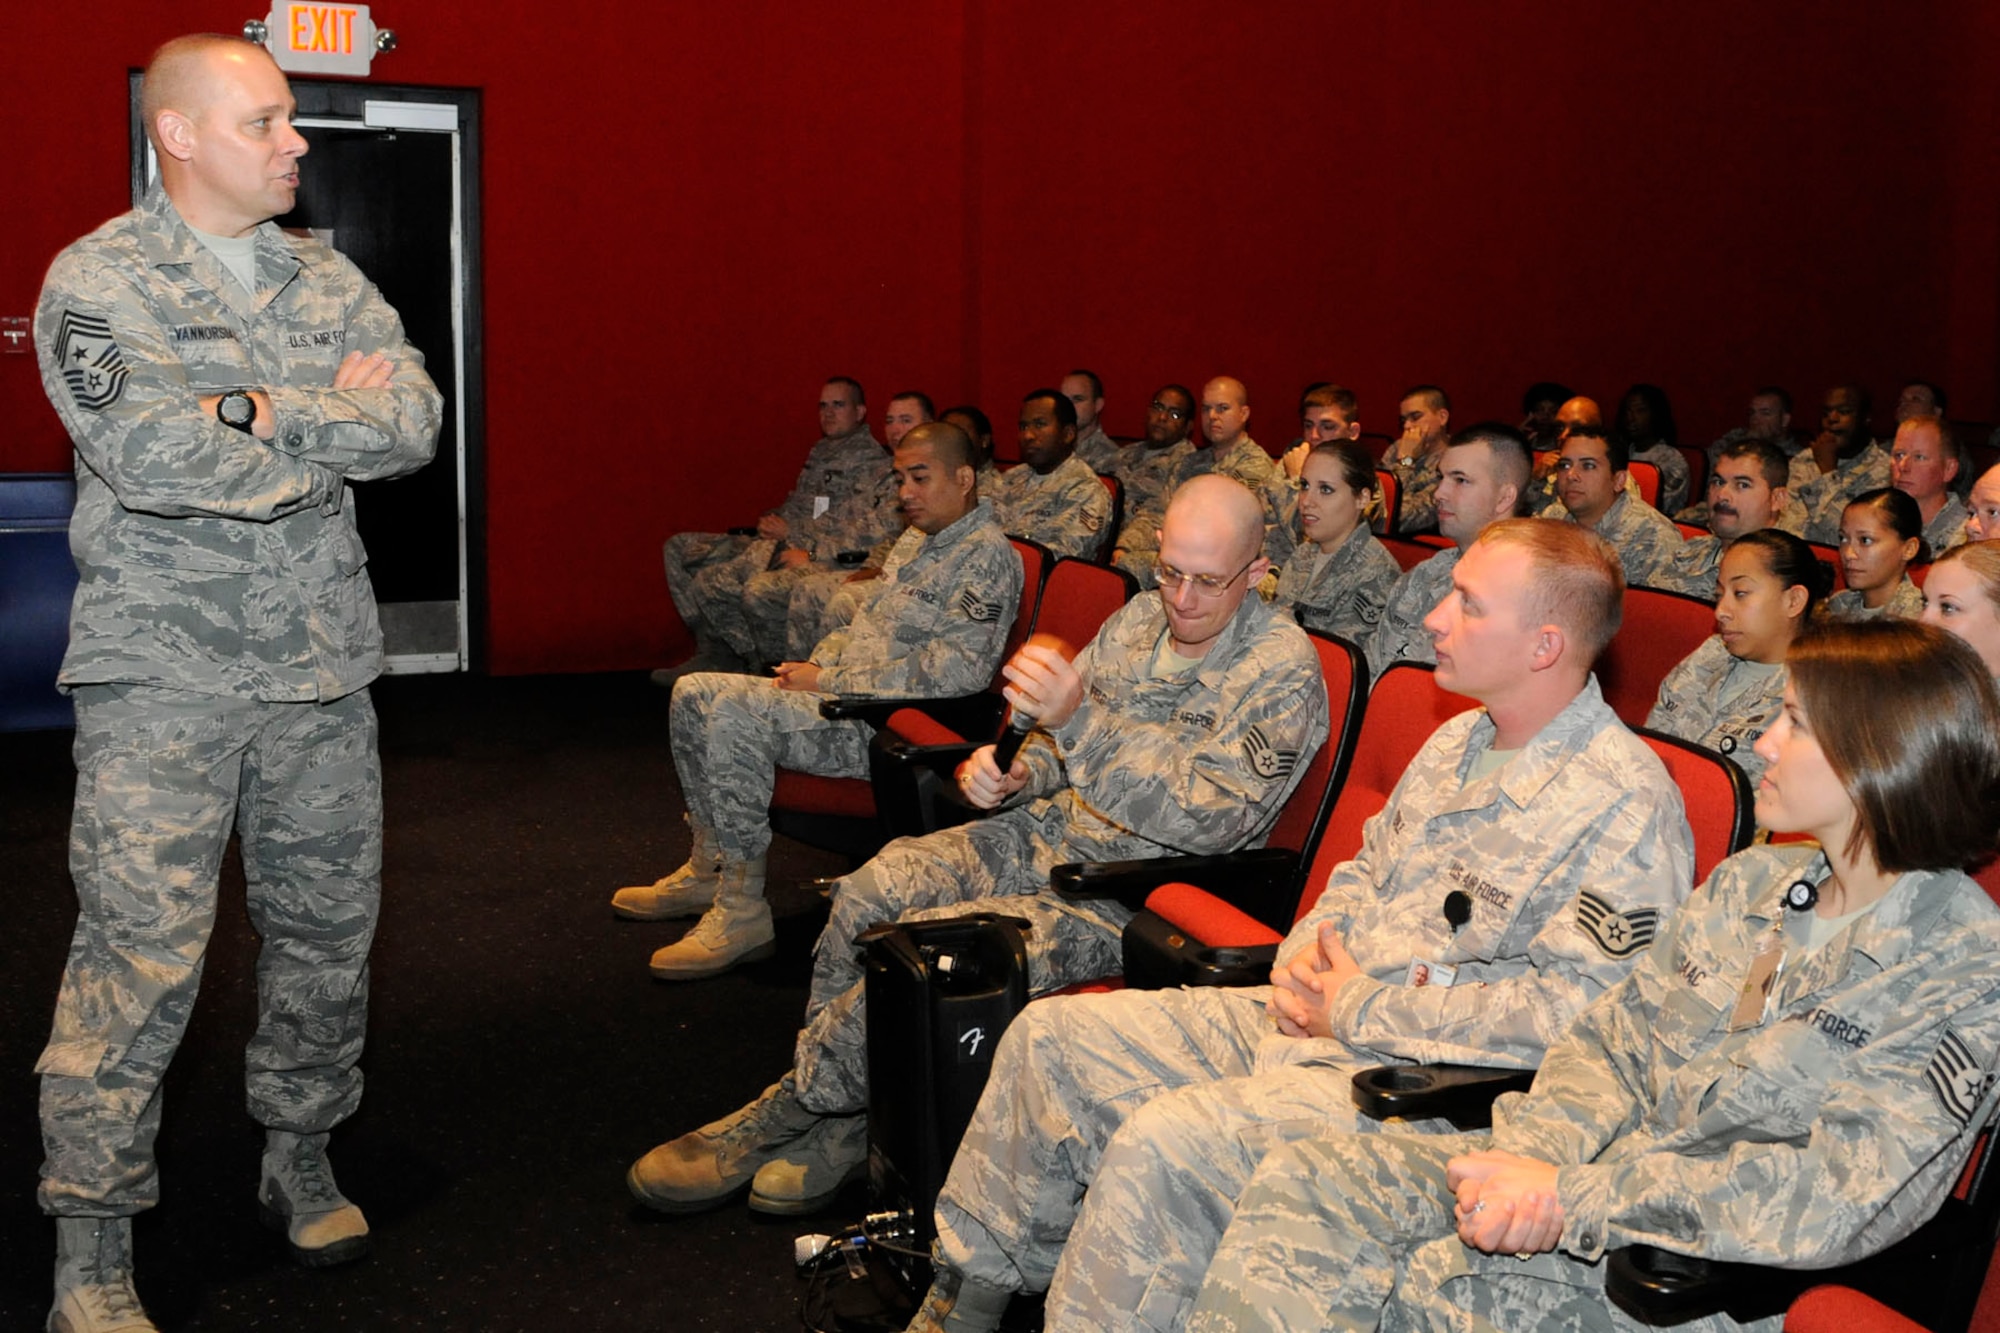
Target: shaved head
(1223,508)
(183,76)
(954,448)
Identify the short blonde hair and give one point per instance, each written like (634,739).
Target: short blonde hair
(1576,580)
(1983,558)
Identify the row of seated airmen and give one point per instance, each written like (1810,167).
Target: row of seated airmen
(1184,725)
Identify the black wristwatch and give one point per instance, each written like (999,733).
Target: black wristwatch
(236,408)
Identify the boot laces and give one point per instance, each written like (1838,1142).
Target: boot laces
(106,1271)
(308,1175)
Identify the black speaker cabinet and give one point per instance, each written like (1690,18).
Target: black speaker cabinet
(940,993)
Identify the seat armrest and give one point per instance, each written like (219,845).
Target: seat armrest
(1159,955)
(968,715)
(1658,1286)
(1260,881)
(1462,1094)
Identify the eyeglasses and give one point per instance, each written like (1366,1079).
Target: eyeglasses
(1177,413)
(1172,580)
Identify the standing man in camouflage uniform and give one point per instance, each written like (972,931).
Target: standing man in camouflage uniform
(1481,477)
(1182,727)
(936,629)
(1844,461)
(1590,490)
(1570,844)
(1053,497)
(1146,473)
(222,382)
(1085,392)
(843,492)
(1425,415)
(1746,492)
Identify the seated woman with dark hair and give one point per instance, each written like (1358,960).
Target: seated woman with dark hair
(1338,577)
(1881,536)
(1794,1074)
(1724,693)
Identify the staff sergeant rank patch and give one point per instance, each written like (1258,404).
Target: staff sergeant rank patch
(1618,934)
(92,365)
(1956,1078)
(1266,760)
(983,612)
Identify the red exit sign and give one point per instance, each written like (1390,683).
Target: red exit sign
(321,38)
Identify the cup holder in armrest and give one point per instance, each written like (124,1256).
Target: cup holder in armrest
(1462,1094)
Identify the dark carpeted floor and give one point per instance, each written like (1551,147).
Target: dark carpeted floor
(519,1055)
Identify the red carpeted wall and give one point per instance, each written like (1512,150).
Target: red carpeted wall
(694,212)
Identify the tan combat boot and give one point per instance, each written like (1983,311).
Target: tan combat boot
(298,1199)
(704,1168)
(812,1170)
(686,892)
(94,1292)
(736,929)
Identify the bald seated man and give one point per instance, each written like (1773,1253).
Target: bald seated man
(1181,728)
(1226,448)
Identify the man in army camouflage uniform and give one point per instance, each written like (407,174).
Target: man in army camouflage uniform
(1146,473)
(935,630)
(222,382)
(1590,489)
(843,500)
(1085,392)
(1424,414)
(1842,462)
(1746,492)
(1481,477)
(1182,727)
(1053,497)
(1561,829)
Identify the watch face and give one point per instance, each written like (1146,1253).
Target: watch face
(236,408)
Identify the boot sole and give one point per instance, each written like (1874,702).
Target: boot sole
(677,914)
(326,1256)
(756,955)
(818,1203)
(658,1204)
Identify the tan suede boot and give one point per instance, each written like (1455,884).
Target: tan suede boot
(736,929)
(298,1199)
(704,1168)
(687,892)
(812,1171)
(94,1292)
